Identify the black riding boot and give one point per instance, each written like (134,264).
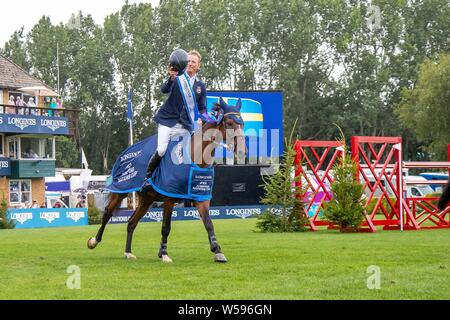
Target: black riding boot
(152,164)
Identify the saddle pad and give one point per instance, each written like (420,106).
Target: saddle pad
(178,177)
(130,168)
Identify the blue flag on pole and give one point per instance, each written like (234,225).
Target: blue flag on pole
(130,105)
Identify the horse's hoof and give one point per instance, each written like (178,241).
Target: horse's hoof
(129,256)
(220,257)
(92,243)
(166,259)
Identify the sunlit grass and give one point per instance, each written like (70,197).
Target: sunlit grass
(312,265)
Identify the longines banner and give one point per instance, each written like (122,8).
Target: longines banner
(5,167)
(47,218)
(229,212)
(33,124)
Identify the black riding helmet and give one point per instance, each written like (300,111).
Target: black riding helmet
(178,60)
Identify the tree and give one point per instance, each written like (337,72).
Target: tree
(285,211)
(336,61)
(346,207)
(67,154)
(15,50)
(5,223)
(425,109)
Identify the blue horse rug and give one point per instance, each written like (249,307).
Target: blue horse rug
(176,176)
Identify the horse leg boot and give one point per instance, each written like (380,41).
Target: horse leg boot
(152,165)
(203,209)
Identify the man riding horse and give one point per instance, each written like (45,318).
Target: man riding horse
(185,173)
(179,114)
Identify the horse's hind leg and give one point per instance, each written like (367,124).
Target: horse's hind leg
(114,201)
(146,200)
(203,210)
(165,229)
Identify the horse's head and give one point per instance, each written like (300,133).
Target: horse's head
(231,127)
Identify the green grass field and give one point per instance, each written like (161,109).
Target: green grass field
(320,265)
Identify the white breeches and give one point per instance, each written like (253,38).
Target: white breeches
(165,134)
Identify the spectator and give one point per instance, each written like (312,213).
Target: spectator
(59,111)
(54,106)
(20,105)
(11,102)
(81,201)
(35,204)
(30,154)
(32,106)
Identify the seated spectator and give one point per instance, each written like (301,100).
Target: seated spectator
(34,204)
(19,104)
(32,106)
(30,154)
(11,102)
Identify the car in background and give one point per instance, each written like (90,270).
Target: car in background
(435,176)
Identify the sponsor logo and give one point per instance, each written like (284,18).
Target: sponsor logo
(53,124)
(243,213)
(128,174)
(131,155)
(179,152)
(158,215)
(21,123)
(22,217)
(119,219)
(4,164)
(49,216)
(75,215)
(194,213)
(191,213)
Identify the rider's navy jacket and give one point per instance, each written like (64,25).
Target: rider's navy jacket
(173,110)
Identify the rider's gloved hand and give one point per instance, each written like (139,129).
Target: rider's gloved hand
(207,118)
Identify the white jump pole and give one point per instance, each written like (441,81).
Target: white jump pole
(398,147)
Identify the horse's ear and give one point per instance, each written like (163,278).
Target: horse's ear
(239,104)
(223,104)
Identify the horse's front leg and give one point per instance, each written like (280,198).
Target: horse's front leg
(165,229)
(114,202)
(203,210)
(145,201)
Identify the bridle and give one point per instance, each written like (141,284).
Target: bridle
(222,144)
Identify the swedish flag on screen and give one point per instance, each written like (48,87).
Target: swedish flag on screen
(262,112)
(251,113)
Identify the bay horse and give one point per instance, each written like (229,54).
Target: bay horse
(206,139)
